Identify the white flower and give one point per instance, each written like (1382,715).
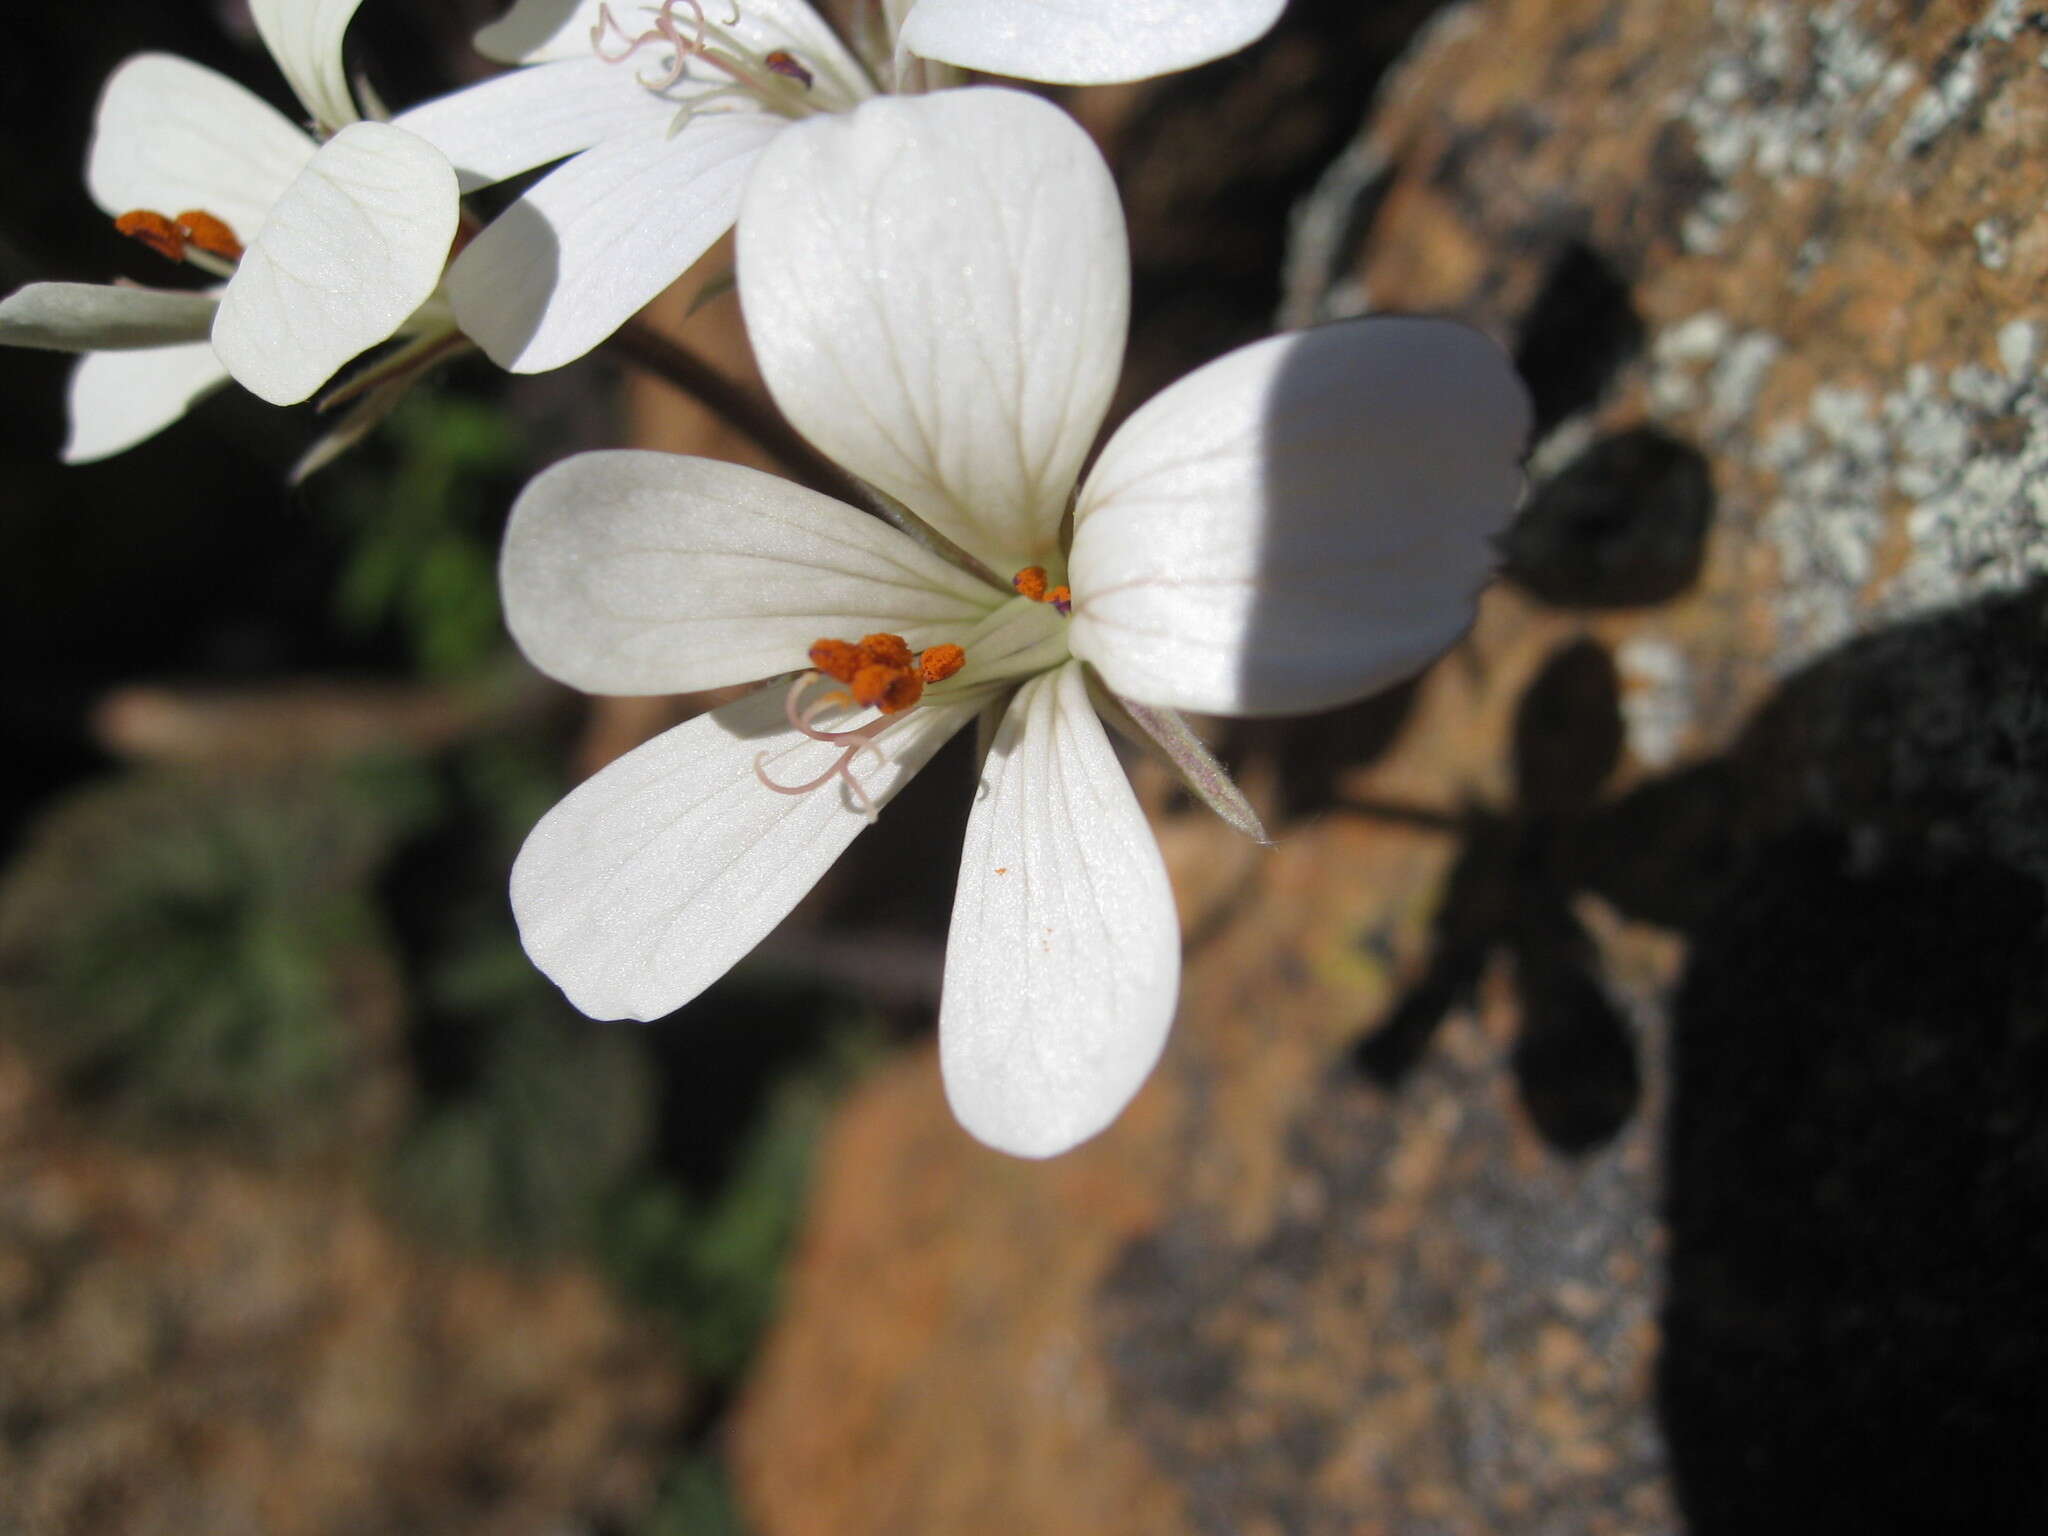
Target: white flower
(664,105)
(937,292)
(329,242)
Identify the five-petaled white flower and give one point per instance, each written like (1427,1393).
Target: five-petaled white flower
(329,242)
(664,106)
(937,291)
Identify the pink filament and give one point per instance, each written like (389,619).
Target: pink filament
(667,30)
(855,742)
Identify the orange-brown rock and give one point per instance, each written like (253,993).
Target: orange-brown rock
(1702,881)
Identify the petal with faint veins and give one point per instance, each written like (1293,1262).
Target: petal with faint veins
(120,398)
(529,117)
(546,31)
(1063,962)
(936,288)
(1299,523)
(170,135)
(631,572)
(101,317)
(1085,42)
(354,246)
(594,240)
(304,36)
(653,877)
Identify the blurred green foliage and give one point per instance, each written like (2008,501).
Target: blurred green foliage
(201,949)
(695,1500)
(423,504)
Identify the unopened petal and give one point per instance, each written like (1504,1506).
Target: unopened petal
(354,246)
(304,36)
(1085,42)
(593,241)
(936,288)
(118,399)
(1063,962)
(1302,522)
(170,135)
(97,317)
(634,572)
(644,886)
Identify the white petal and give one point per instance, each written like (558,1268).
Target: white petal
(97,317)
(635,572)
(528,117)
(643,886)
(354,246)
(170,135)
(1301,522)
(1063,962)
(542,31)
(120,398)
(936,288)
(1085,42)
(593,241)
(304,36)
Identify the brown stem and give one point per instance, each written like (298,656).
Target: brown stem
(746,409)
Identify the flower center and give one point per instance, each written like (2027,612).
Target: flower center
(777,80)
(1014,640)
(194,235)
(880,673)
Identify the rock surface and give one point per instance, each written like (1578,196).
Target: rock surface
(188,1344)
(1688,913)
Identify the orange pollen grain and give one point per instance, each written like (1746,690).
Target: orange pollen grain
(837,659)
(940,662)
(1061,598)
(154,231)
(891,651)
(1030,583)
(889,689)
(210,234)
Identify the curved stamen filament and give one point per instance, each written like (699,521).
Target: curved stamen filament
(853,742)
(773,80)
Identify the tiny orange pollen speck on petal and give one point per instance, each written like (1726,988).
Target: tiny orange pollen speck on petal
(154,231)
(940,662)
(209,234)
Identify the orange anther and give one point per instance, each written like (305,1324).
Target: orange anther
(154,231)
(885,651)
(940,662)
(210,234)
(889,689)
(837,659)
(1030,583)
(1062,599)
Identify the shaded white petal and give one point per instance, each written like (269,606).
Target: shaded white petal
(636,572)
(644,886)
(171,135)
(936,288)
(592,242)
(304,36)
(544,31)
(1301,522)
(100,317)
(120,398)
(354,246)
(1085,42)
(1063,962)
(528,117)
